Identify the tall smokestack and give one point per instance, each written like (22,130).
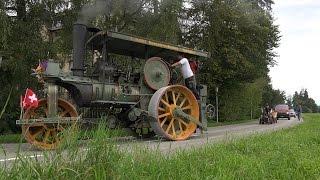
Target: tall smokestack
(79,48)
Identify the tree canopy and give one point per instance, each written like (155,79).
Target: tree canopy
(302,98)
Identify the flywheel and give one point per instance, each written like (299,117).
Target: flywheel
(156,73)
(47,136)
(162,107)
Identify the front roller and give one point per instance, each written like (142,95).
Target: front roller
(164,106)
(46,135)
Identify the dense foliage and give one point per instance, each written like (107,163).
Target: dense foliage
(273,97)
(240,35)
(302,98)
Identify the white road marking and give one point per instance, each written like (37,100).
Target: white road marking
(15,158)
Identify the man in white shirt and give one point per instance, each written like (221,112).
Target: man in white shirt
(187,73)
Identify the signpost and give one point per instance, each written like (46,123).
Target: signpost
(217,103)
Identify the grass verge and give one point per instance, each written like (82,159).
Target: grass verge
(288,154)
(11,138)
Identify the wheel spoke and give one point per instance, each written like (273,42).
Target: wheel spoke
(46,136)
(163,121)
(180,126)
(64,113)
(173,129)
(183,101)
(165,103)
(164,115)
(186,107)
(170,124)
(184,123)
(166,96)
(54,135)
(161,109)
(177,98)
(174,98)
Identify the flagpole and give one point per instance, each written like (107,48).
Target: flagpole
(22,99)
(21,108)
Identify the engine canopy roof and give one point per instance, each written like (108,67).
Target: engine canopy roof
(134,46)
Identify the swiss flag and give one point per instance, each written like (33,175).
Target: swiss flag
(30,100)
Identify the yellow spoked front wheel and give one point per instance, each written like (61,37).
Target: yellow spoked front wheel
(47,136)
(162,106)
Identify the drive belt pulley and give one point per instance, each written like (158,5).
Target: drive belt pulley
(156,73)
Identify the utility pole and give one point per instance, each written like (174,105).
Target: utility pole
(217,104)
(251,104)
(251,111)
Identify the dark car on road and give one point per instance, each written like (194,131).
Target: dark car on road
(282,111)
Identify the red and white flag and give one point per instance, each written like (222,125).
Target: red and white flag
(30,100)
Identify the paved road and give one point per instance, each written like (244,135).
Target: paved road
(214,134)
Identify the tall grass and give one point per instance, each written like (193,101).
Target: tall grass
(83,135)
(288,154)
(94,161)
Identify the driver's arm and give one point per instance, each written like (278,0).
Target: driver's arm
(176,64)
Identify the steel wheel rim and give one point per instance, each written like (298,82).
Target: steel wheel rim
(47,136)
(161,107)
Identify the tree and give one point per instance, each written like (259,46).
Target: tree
(22,45)
(302,98)
(272,97)
(242,101)
(289,101)
(241,37)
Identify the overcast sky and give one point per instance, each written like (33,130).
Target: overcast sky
(299,51)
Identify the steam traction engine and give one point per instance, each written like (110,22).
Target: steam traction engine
(149,99)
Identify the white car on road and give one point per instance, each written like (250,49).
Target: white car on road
(292,113)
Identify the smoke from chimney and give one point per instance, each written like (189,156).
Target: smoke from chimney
(91,10)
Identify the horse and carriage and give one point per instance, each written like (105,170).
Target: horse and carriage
(268,116)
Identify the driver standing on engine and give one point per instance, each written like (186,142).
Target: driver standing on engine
(188,75)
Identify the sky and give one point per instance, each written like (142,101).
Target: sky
(298,62)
